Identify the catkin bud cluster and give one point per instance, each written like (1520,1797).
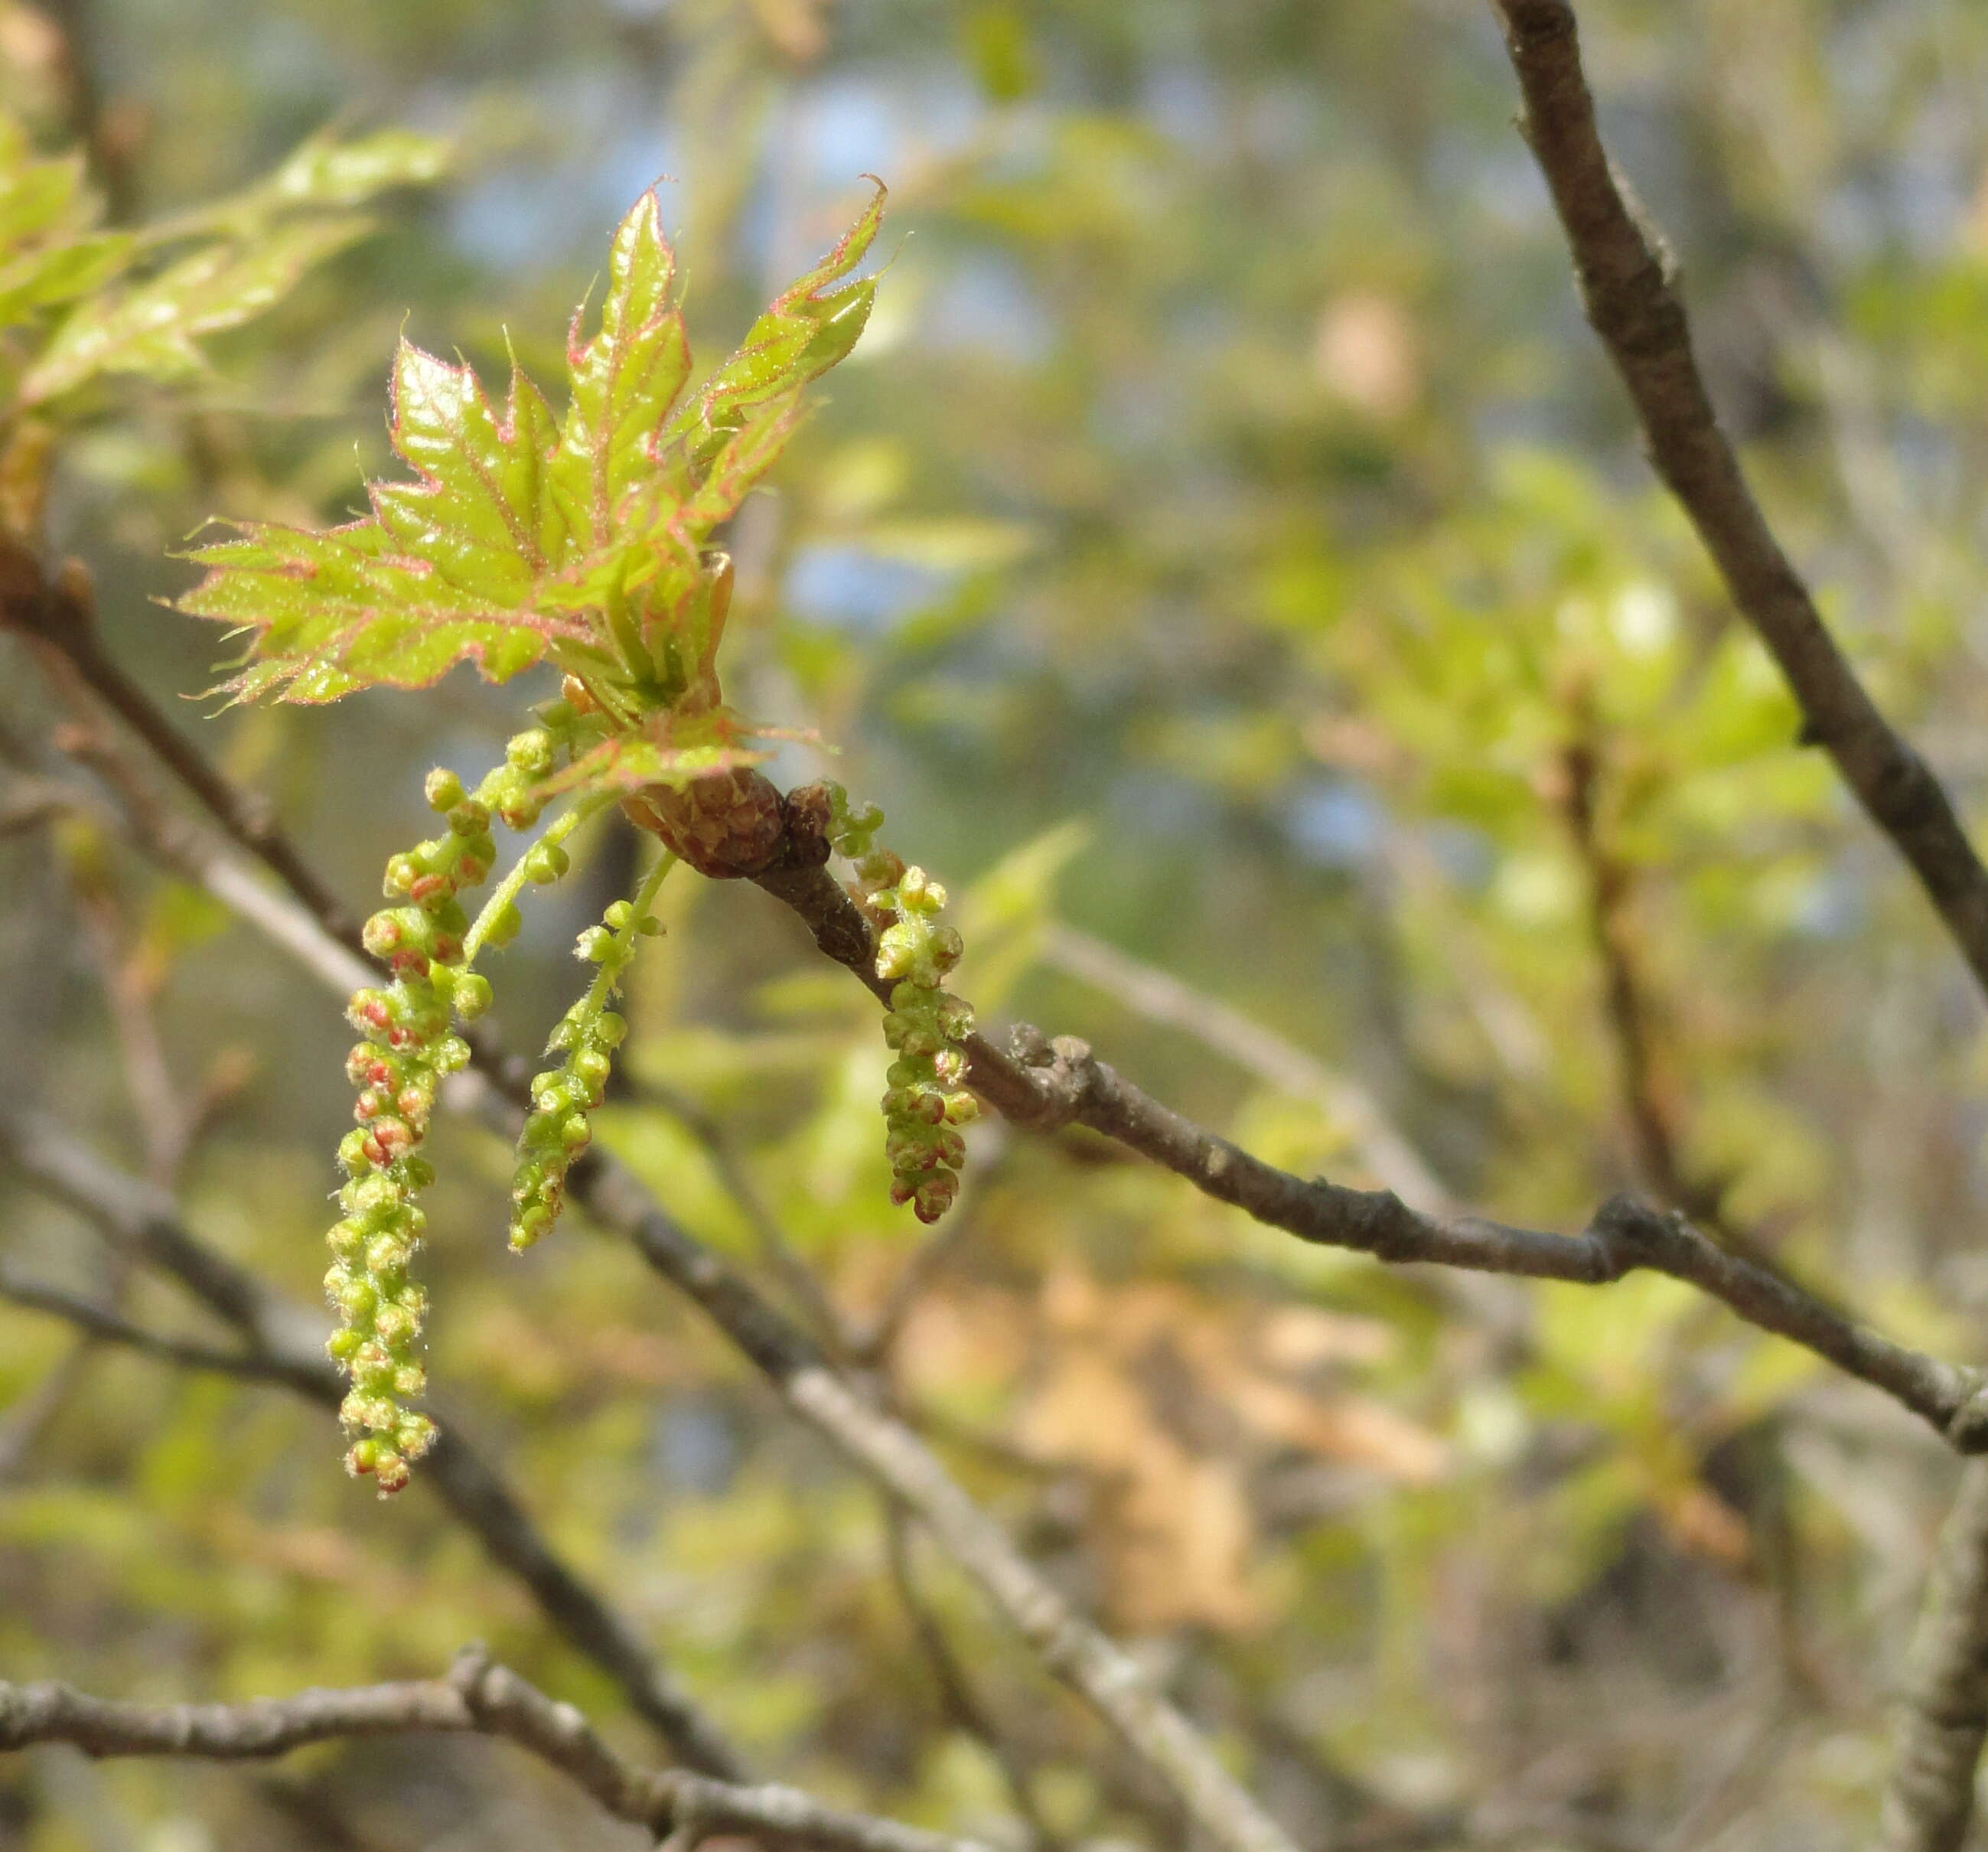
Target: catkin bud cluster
(926,1028)
(558,1129)
(408,1046)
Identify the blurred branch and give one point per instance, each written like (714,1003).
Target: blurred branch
(31,1413)
(1626,276)
(1942,1713)
(283,1348)
(169,1117)
(872,1344)
(1649,1106)
(103,129)
(476,1697)
(58,614)
(31,802)
(1626,280)
(101,1322)
(774,1249)
(960,1702)
(1646,1102)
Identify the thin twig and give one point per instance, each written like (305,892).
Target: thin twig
(105,1325)
(1043,1085)
(1648,1108)
(476,1698)
(32,1414)
(961,1702)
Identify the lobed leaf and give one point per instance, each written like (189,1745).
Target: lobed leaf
(624,380)
(336,611)
(805,330)
(479,511)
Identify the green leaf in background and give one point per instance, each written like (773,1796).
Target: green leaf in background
(323,172)
(39,279)
(50,250)
(152,327)
(247,254)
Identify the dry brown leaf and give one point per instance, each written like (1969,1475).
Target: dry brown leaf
(1167,1401)
(1702,1522)
(1365,352)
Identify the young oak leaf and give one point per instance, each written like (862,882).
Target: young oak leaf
(805,330)
(453,566)
(334,612)
(624,380)
(479,512)
(734,427)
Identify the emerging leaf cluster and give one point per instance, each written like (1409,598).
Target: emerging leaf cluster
(523,537)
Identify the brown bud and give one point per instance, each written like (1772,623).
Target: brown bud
(808,814)
(726,825)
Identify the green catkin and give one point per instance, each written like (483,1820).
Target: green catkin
(408,1047)
(558,1129)
(925,1027)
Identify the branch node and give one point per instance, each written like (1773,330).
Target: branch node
(1627,1234)
(1967,1427)
(467,1675)
(1030,1046)
(60,611)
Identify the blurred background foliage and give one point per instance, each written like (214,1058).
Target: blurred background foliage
(1227,558)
